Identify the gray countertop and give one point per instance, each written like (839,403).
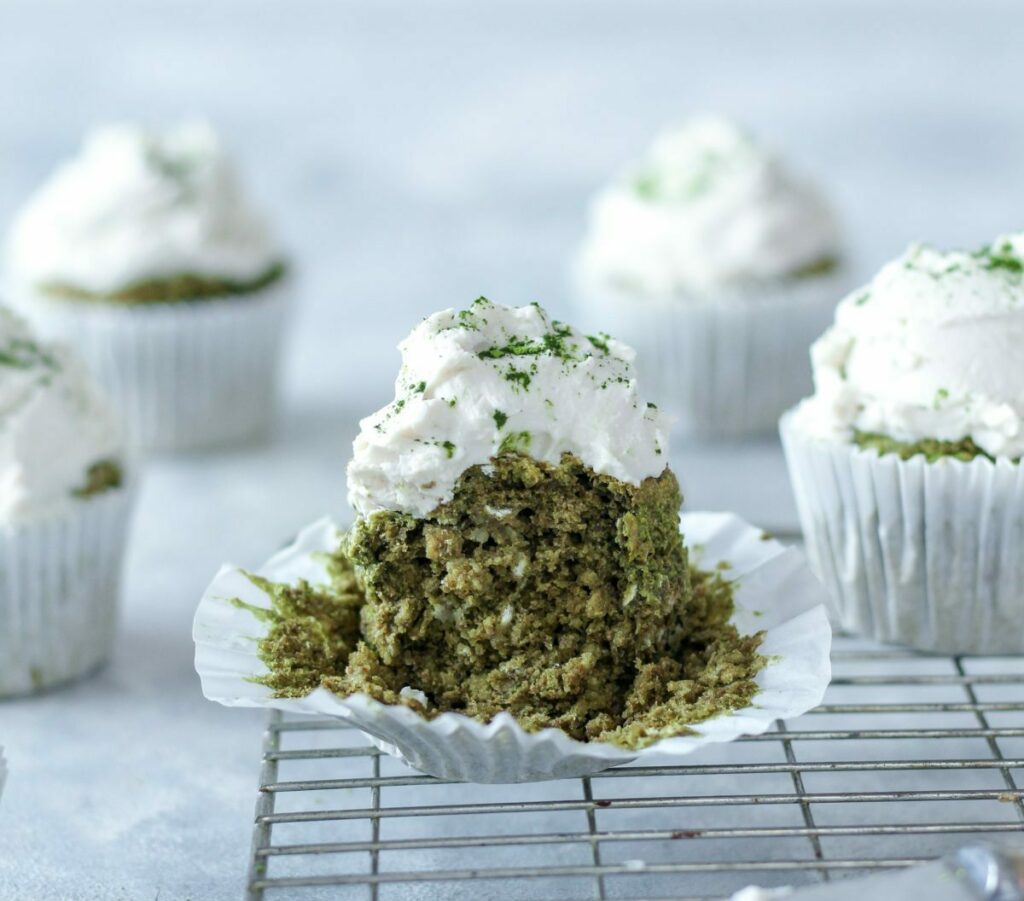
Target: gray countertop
(418,155)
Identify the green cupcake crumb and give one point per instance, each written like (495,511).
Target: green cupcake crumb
(931,449)
(186,287)
(558,594)
(103,475)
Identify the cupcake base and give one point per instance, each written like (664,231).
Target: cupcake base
(729,365)
(922,554)
(775,592)
(60,579)
(181,375)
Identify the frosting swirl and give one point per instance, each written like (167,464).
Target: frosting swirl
(930,349)
(490,379)
(54,424)
(138,205)
(707,209)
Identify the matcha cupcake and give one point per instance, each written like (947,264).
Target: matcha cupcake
(720,266)
(906,461)
(515,599)
(65,500)
(516,489)
(144,253)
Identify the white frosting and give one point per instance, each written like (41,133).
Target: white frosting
(933,347)
(708,209)
(754,893)
(461,397)
(135,205)
(54,424)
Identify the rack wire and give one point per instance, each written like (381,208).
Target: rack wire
(910,756)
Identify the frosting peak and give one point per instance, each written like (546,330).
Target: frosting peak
(54,424)
(489,379)
(706,209)
(137,205)
(930,349)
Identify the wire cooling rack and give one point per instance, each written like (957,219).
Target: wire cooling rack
(910,756)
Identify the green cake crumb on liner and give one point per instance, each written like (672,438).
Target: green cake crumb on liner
(560,595)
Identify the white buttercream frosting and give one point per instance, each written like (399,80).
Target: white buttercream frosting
(755,893)
(493,378)
(708,209)
(932,348)
(54,424)
(138,204)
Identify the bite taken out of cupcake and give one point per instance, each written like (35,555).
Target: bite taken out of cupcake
(719,264)
(516,563)
(144,252)
(906,461)
(65,499)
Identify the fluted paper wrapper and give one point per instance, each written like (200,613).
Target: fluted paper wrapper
(180,375)
(60,581)
(929,555)
(726,365)
(776,592)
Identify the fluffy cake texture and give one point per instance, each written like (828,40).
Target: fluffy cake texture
(143,215)
(926,358)
(543,576)
(708,209)
(58,439)
(561,596)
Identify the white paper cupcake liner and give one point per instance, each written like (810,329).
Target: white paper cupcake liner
(726,365)
(60,579)
(776,592)
(929,555)
(181,375)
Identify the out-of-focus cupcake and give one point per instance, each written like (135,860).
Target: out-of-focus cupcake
(720,266)
(144,253)
(906,461)
(65,499)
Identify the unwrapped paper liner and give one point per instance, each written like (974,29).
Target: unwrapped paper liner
(776,592)
(181,374)
(929,555)
(726,365)
(60,581)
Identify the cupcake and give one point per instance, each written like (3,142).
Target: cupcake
(906,460)
(64,504)
(720,266)
(144,253)
(515,599)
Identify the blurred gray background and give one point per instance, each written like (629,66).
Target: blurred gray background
(414,156)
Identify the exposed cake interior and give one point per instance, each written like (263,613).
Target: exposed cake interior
(560,595)
(517,547)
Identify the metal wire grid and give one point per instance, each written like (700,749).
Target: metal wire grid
(909,757)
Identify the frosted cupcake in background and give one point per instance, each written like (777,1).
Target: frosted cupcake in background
(144,253)
(720,266)
(65,498)
(906,461)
